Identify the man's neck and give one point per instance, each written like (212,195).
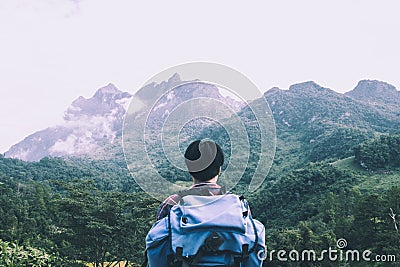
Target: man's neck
(212,180)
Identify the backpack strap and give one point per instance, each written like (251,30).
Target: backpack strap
(211,244)
(245,214)
(146,260)
(171,257)
(256,235)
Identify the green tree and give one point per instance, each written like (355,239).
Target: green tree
(97,226)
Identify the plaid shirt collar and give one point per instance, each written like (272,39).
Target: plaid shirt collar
(205,184)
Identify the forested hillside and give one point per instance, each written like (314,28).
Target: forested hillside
(71,213)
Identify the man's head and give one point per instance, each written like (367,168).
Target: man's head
(204,159)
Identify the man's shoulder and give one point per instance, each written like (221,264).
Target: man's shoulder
(172,200)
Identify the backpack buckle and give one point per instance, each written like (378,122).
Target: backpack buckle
(213,242)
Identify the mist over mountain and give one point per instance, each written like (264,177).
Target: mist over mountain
(93,127)
(88,126)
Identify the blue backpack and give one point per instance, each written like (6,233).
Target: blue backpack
(206,231)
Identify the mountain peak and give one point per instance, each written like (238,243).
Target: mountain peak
(176,78)
(376,83)
(305,87)
(103,101)
(152,91)
(373,87)
(272,90)
(375,91)
(107,90)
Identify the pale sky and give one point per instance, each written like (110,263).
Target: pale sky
(53,51)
